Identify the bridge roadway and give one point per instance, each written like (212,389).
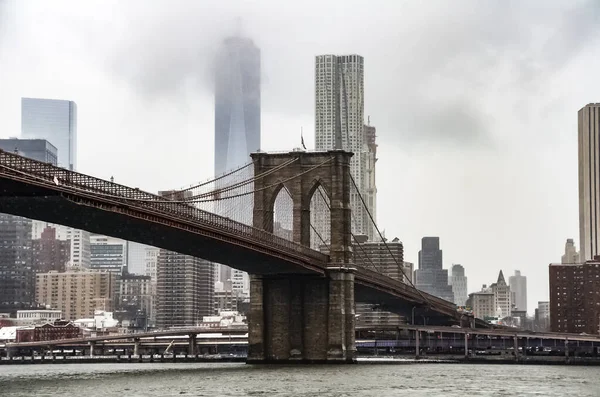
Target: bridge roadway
(41,191)
(137,335)
(238,336)
(503,331)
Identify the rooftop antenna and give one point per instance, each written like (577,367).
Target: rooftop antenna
(368,120)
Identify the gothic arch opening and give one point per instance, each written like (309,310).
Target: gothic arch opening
(283,213)
(320,218)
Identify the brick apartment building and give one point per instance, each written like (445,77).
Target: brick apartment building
(575,297)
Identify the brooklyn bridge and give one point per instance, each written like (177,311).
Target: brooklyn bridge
(302,296)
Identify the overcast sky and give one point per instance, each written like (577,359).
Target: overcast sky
(475,104)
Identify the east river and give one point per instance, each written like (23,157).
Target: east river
(244,380)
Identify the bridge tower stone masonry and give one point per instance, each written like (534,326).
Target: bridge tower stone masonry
(297,317)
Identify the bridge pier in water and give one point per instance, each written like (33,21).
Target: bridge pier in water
(302,318)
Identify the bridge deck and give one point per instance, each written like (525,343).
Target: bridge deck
(41,191)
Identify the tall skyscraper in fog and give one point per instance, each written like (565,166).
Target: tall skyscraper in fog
(237,103)
(54,120)
(589,180)
(339,124)
(237,114)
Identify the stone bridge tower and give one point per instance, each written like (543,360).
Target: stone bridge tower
(299,317)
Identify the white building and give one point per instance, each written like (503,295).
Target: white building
(107,253)
(101,321)
(151,260)
(141,259)
(30,317)
(370,192)
(339,123)
(518,287)
(571,255)
(589,180)
(224,319)
(502,297)
(482,303)
(54,120)
(80,249)
(240,283)
(458,281)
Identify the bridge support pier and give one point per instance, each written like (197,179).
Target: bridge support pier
(192,345)
(92,347)
(302,318)
(417,343)
(136,347)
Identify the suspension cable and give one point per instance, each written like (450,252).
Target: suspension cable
(240,194)
(210,181)
(241,183)
(401,267)
(355,239)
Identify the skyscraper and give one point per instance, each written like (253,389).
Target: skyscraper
(17,273)
(339,124)
(589,180)
(571,254)
(54,120)
(430,276)
(518,287)
(237,112)
(370,136)
(185,289)
(108,254)
(36,149)
(17,277)
(458,281)
(502,297)
(237,103)
(184,284)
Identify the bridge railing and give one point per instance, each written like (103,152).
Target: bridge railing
(134,197)
(399,286)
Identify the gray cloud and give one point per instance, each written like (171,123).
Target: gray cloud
(466,54)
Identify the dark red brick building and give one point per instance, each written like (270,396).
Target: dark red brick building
(49,253)
(575,297)
(59,330)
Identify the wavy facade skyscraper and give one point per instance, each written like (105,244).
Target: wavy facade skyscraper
(237,117)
